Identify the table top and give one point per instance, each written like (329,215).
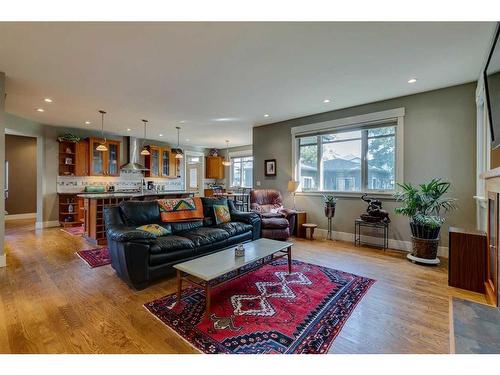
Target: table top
(378,223)
(234,194)
(214,265)
(309,225)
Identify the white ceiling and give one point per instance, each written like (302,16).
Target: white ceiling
(217,80)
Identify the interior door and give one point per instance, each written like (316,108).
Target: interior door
(194,175)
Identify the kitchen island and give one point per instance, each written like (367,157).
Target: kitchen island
(94,203)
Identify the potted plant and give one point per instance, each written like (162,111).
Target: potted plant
(424,204)
(330,203)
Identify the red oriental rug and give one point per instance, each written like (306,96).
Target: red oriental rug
(267,310)
(74,231)
(95,257)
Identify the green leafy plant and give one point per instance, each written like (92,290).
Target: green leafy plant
(425,202)
(329,199)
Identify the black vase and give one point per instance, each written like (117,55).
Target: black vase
(330,210)
(424,232)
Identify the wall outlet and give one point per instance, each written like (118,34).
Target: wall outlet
(257,183)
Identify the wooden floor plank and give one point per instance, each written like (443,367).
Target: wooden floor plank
(52,302)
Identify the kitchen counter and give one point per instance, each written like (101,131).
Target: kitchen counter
(132,195)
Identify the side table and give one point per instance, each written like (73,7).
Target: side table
(358,224)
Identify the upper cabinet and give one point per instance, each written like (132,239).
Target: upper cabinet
(214,167)
(160,162)
(73,158)
(104,163)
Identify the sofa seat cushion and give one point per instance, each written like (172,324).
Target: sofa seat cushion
(175,256)
(275,223)
(167,244)
(235,227)
(205,235)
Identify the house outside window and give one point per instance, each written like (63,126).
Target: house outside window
(354,158)
(242,171)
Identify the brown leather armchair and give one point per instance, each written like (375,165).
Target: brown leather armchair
(277,222)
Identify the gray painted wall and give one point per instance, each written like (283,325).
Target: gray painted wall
(439,141)
(2,164)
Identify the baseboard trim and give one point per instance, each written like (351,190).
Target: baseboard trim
(20,216)
(3,260)
(393,244)
(46,224)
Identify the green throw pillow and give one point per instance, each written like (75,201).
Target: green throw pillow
(221,213)
(155,229)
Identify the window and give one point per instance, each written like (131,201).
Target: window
(242,171)
(358,159)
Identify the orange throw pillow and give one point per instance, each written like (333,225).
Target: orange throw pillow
(172,210)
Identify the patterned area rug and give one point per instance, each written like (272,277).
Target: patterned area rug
(74,231)
(267,310)
(95,257)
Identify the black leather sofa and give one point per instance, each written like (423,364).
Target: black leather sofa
(140,257)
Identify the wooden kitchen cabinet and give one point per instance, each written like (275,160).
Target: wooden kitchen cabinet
(153,161)
(214,167)
(161,162)
(104,163)
(82,158)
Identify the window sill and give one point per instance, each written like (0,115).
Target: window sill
(383,195)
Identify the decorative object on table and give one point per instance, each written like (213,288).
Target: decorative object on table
(68,150)
(227,161)
(179,154)
(311,228)
(68,161)
(145,150)
(239,251)
(423,205)
(213,152)
(302,312)
(292,188)
(68,137)
(270,167)
(374,211)
(359,223)
(95,257)
(330,204)
(70,208)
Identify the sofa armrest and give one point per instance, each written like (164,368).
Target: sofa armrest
(126,234)
(288,212)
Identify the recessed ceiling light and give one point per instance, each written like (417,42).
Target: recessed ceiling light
(48,100)
(326,101)
(187,139)
(87,122)
(40,109)
(266,115)
(128,129)
(161,135)
(412,80)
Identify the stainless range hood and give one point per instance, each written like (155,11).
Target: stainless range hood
(133,158)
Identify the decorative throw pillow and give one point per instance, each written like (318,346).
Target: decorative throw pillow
(221,213)
(155,229)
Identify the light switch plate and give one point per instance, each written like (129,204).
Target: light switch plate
(258,183)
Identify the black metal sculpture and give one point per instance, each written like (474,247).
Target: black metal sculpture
(374,211)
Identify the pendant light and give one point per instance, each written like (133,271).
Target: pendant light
(179,153)
(144,151)
(102,147)
(227,161)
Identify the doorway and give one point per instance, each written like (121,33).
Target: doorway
(20,187)
(194,173)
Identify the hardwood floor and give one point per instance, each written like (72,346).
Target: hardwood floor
(51,302)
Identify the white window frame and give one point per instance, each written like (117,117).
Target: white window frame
(354,122)
(238,154)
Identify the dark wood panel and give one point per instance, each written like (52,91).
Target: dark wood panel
(467,259)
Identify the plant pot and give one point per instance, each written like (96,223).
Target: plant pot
(424,248)
(424,232)
(329,210)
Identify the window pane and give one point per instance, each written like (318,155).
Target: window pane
(236,174)
(341,136)
(308,170)
(247,174)
(341,164)
(381,163)
(308,140)
(381,131)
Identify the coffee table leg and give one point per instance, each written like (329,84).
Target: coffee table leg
(207,299)
(289,256)
(179,286)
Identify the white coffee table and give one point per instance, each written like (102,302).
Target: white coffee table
(201,271)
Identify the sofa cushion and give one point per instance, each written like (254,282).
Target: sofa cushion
(139,212)
(183,226)
(171,243)
(275,223)
(205,235)
(235,227)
